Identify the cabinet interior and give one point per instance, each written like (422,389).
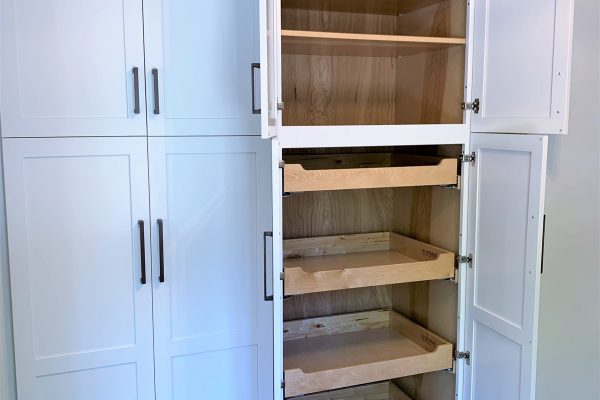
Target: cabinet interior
(383,62)
(429,214)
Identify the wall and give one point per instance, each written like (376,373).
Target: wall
(568,350)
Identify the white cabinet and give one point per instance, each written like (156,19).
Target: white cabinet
(402,69)
(212,325)
(129,68)
(506,212)
(108,302)
(344,236)
(82,317)
(69,68)
(199,58)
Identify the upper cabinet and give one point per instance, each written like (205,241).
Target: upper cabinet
(202,61)
(415,72)
(72,68)
(91,69)
(521,65)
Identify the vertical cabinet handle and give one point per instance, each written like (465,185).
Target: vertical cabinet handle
(161,252)
(142,252)
(136,90)
(267,298)
(156,98)
(253,67)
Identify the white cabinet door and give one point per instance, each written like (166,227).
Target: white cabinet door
(521,65)
(213,327)
(506,207)
(67,68)
(270,67)
(199,57)
(82,317)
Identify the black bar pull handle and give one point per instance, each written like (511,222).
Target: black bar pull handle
(254,66)
(161,252)
(267,298)
(136,90)
(543,243)
(142,252)
(156,95)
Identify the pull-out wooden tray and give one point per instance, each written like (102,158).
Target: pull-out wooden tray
(336,360)
(370,171)
(377,391)
(352,261)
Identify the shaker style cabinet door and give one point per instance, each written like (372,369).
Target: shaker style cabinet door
(199,67)
(521,66)
(213,329)
(81,313)
(506,210)
(72,68)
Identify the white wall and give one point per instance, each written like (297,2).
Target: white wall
(568,351)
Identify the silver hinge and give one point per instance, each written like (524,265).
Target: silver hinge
(465,260)
(473,106)
(281,276)
(280,106)
(464,355)
(283,384)
(467,158)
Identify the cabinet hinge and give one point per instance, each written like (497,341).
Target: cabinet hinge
(467,158)
(282,167)
(283,383)
(281,276)
(465,260)
(473,106)
(280,106)
(464,355)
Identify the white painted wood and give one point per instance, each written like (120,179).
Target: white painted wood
(82,319)
(378,135)
(277,190)
(521,66)
(270,67)
(506,203)
(203,52)
(66,68)
(213,328)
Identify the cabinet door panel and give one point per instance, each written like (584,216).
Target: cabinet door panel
(506,208)
(212,324)
(521,66)
(82,318)
(203,52)
(67,68)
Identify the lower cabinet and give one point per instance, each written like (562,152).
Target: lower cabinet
(137,267)
(409,276)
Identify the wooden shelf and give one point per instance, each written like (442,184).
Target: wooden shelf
(377,391)
(324,361)
(383,7)
(311,173)
(352,261)
(361,45)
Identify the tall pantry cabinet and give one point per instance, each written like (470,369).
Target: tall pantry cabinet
(409,145)
(137,194)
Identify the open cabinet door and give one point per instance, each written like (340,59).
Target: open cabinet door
(506,208)
(269,67)
(277,283)
(521,66)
